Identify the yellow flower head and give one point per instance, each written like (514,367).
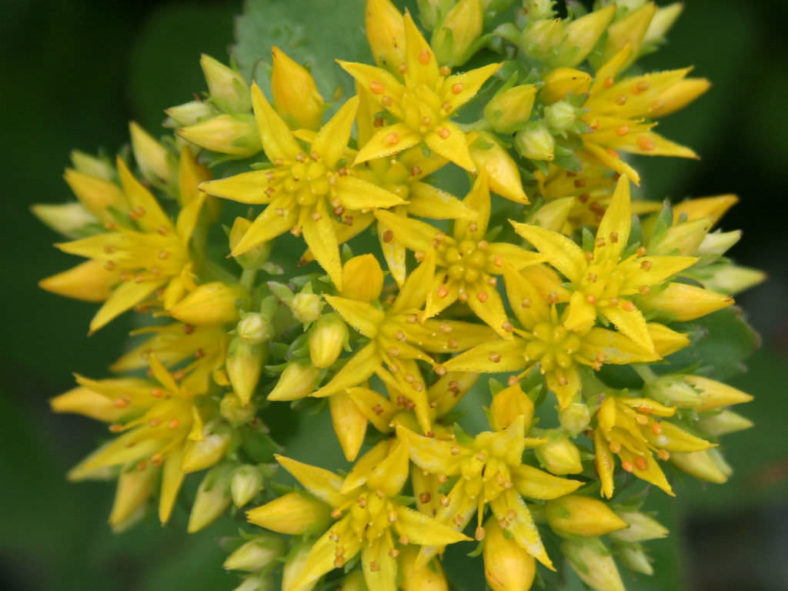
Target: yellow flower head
(423,103)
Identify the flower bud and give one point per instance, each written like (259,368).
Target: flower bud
(234,411)
(592,562)
(254,328)
(246,482)
(723,423)
(210,303)
(460,29)
(662,21)
(718,243)
(714,394)
(732,279)
(564,81)
(507,567)
(255,257)
(560,116)
(69,219)
(641,528)
(135,487)
(708,465)
(541,38)
(559,455)
(431,11)
(213,498)
(682,239)
(153,158)
(306,306)
(92,166)
(293,514)
(257,582)
(295,93)
(683,302)
(553,214)
(188,113)
(510,109)
(503,175)
(385,33)
(244,365)
(297,381)
(420,575)
(96,194)
(704,207)
(350,424)
(207,451)
(327,338)
(582,34)
(627,31)
(295,566)
(577,515)
(539,9)
(236,135)
(89,281)
(256,554)
(634,558)
(507,405)
(677,96)
(672,391)
(362,278)
(228,89)
(575,418)
(535,142)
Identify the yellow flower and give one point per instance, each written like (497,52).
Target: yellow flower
(423,103)
(148,252)
(398,340)
(159,421)
(627,428)
(491,473)
(370,518)
(305,190)
(547,340)
(606,281)
(618,113)
(467,263)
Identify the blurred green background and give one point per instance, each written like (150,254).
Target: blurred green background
(73,72)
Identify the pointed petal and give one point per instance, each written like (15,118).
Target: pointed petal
(362,316)
(449,336)
(525,300)
(147,211)
(478,201)
(332,139)
(564,383)
(171,480)
(391,474)
(430,454)
(648,271)
(683,302)
(631,323)
(460,88)
(379,83)
(278,218)
(375,407)
(415,235)
(247,187)
(350,424)
(487,304)
(493,357)
(356,193)
(501,253)
(580,315)
(560,251)
(666,341)
(414,292)
(319,234)
(380,568)
(420,61)
(652,473)
(322,557)
(673,438)
(424,530)
(325,485)
(427,201)
(450,142)
(394,252)
(605,464)
(187,218)
(612,160)
(89,281)
(124,297)
(613,347)
(537,484)
(387,141)
(510,508)
(363,467)
(278,141)
(615,225)
(356,371)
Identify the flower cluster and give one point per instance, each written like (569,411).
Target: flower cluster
(542,271)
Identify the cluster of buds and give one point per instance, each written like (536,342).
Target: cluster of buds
(250,243)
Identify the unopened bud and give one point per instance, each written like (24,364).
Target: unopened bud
(254,328)
(682,302)
(362,278)
(244,365)
(189,113)
(563,82)
(510,110)
(539,9)
(210,303)
(681,239)
(460,29)
(714,394)
(293,514)
(295,93)
(207,451)
(672,391)
(507,567)
(420,575)
(257,582)
(256,554)
(385,33)
(135,487)
(581,35)
(306,306)
(507,405)
(503,175)
(577,515)
(297,381)
(541,38)
(255,257)
(732,279)
(295,565)
(634,558)
(641,528)
(662,21)
(236,135)
(677,96)
(718,243)
(432,11)
(69,219)
(535,142)
(227,88)
(575,418)
(350,424)
(704,207)
(560,116)
(234,411)
(592,562)
(213,498)
(100,168)
(723,423)
(154,160)
(553,214)
(627,31)
(708,465)
(559,455)
(247,481)
(327,338)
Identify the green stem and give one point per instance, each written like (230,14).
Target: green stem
(645,372)
(247,279)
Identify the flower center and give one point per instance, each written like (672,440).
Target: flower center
(553,346)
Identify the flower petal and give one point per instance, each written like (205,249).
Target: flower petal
(428,201)
(415,235)
(560,251)
(247,187)
(331,141)
(277,139)
(450,142)
(424,530)
(631,323)
(277,218)
(356,371)
(127,295)
(325,485)
(460,88)
(378,564)
(493,357)
(363,316)
(537,484)
(319,234)
(509,508)
(387,141)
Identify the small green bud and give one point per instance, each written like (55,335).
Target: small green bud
(575,418)
(662,21)
(641,528)
(257,582)
(209,450)
(540,38)
(246,483)
(297,381)
(723,423)
(672,391)
(256,554)
(69,219)
(560,116)
(634,558)
(213,498)
(593,564)
(539,9)
(234,411)
(327,338)
(510,109)
(254,328)
(244,365)
(189,113)
(306,306)
(454,38)
(227,88)
(708,465)
(718,243)
(535,142)
(236,135)
(153,158)
(431,11)
(732,279)
(99,168)
(559,455)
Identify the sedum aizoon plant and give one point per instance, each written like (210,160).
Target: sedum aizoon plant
(442,256)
